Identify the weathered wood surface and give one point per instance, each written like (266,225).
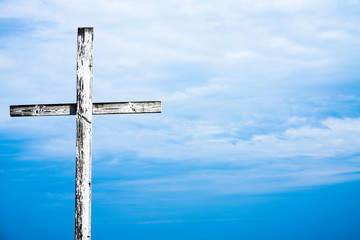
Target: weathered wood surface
(84,109)
(97,109)
(42,110)
(83,133)
(127,107)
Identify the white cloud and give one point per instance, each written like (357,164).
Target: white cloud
(336,35)
(233,76)
(6,62)
(283,44)
(337,137)
(255,180)
(302,5)
(193,93)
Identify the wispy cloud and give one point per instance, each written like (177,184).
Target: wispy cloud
(271,85)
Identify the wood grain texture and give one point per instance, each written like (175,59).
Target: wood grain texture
(84,109)
(43,110)
(97,109)
(83,133)
(127,107)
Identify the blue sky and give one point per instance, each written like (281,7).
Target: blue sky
(259,135)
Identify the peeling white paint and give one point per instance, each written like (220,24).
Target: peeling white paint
(84,133)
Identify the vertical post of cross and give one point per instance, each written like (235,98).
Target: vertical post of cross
(84,133)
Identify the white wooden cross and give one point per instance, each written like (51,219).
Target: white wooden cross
(84,109)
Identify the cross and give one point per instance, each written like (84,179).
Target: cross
(84,108)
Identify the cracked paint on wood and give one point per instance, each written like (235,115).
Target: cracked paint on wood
(97,108)
(83,133)
(127,107)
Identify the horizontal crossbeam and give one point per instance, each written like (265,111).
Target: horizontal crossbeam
(97,109)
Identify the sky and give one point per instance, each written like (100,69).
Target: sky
(258,136)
